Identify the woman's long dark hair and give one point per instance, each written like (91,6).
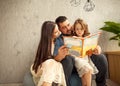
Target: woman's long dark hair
(44,47)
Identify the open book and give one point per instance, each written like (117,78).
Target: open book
(78,46)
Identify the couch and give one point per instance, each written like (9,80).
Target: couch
(28,80)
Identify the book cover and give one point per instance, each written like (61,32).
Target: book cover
(78,46)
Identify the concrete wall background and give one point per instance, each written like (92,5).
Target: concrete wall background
(20,22)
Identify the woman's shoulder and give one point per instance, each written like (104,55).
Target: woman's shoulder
(49,61)
(39,71)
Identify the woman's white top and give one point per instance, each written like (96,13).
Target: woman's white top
(50,71)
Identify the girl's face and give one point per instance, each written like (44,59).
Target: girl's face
(79,30)
(56,32)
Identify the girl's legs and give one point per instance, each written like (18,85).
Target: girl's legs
(86,79)
(84,70)
(46,84)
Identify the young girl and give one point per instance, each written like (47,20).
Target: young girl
(80,29)
(46,71)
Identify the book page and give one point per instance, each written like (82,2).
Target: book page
(90,43)
(79,46)
(74,45)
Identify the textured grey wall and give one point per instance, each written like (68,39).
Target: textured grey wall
(20,22)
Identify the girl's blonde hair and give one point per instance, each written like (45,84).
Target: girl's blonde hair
(84,27)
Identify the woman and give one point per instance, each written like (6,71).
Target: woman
(46,71)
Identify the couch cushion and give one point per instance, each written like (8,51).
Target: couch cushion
(28,80)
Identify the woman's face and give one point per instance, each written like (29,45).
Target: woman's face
(56,32)
(79,30)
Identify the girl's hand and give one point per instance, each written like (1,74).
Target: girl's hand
(97,50)
(78,37)
(89,52)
